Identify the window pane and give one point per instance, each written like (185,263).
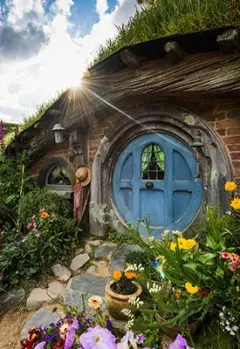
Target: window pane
(58,176)
(152,162)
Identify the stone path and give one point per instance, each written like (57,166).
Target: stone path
(88,273)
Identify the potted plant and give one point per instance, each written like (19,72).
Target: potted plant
(120,290)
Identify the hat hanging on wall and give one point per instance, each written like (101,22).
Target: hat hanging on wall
(83,175)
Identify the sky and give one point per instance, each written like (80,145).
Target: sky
(46,45)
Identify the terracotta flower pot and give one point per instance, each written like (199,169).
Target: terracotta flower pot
(116,302)
(173,330)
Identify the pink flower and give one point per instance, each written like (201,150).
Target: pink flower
(233,268)
(33,217)
(225,255)
(34,225)
(38,235)
(42,210)
(233,260)
(29,226)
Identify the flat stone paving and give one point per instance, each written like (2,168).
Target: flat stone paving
(88,283)
(117,260)
(74,299)
(43,317)
(105,251)
(9,300)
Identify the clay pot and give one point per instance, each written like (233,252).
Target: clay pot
(116,302)
(173,330)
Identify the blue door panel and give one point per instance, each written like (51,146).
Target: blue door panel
(152,207)
(181,168)
(181,202)
(173,201)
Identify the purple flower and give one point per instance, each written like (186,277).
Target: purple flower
(98,338)
(140,338)
(109,324)
(179,343)
(40,345)
(70,335)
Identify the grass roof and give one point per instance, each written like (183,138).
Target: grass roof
(167,17)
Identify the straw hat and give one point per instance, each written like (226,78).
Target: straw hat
(83,175)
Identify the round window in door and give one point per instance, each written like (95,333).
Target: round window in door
(155,179)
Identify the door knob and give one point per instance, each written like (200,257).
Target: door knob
(149,185)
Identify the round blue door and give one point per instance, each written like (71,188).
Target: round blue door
(155,179)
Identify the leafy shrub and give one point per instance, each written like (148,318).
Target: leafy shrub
(15,182)
(49,239)
(145,258)
(32,202)
(120,239)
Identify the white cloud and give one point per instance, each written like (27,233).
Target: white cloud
(64,6)
(59,61)
(101,7)
(18,8)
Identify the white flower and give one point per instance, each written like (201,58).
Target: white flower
(229,213)
(235,328)
(151,238)
(128,313)
(129,325)
(136,302)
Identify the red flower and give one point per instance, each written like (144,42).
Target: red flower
(203,293)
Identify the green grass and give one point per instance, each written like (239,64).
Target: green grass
(168,17)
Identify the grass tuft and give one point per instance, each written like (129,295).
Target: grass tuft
(167,17)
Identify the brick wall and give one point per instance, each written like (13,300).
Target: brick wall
(226,122)
(96,133)
(223,117)
(35,168)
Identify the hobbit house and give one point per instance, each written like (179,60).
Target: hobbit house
(158,123)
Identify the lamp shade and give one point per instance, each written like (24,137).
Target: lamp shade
(58,133)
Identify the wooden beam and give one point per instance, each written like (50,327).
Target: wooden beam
(229,41)
(130,59)
(174,53)
(54,112)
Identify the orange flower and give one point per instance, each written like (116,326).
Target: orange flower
(95,302)
(44,214)
(130,275)
(117,274)
(177,293)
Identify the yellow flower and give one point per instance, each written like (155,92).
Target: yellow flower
(173,246)
(188,244)
(190,288)
(235,204)
(95,302)
(130,275)
(117,274)
(230,186)
(44,214)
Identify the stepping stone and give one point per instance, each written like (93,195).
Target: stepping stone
(43,317)
(87,283)
(9,300)
(117,261)
(73,298)
(105,251)
(39,296)
(102,268)
(94,243)
(79,261)
(91,269)
(61,272)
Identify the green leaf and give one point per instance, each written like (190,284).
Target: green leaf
(206,257)
(10,198)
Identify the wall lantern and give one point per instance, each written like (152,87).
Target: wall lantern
(58,133)
(196,145)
